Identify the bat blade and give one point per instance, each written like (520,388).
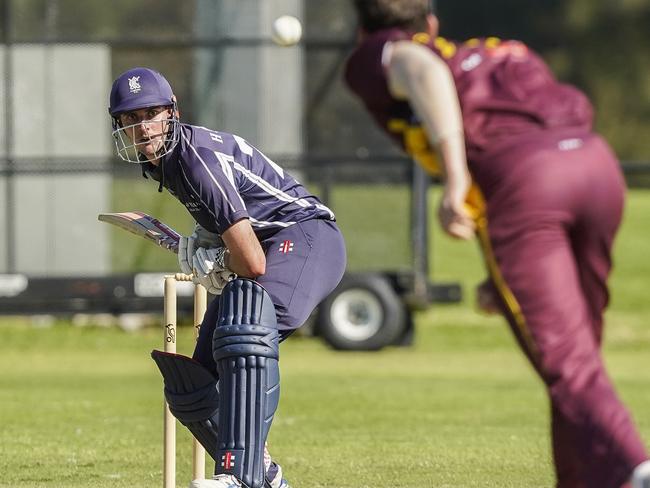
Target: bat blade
(146,226)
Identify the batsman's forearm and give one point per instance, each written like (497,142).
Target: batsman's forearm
(245,255)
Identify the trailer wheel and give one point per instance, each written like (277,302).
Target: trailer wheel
(362,314)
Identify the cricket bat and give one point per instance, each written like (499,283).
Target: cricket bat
(144,225)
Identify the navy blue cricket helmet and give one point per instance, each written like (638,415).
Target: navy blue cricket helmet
(139,88)
(136,89)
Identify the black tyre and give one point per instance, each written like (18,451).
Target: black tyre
(362,314)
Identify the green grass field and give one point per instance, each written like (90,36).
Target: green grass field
(82,407)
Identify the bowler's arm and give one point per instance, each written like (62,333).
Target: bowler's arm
(416,74)
(419,76)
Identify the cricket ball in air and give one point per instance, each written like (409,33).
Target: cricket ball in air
(287,30)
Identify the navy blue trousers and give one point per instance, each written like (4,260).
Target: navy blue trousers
(304,263)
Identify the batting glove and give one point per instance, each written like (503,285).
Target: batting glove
(187,246)
(209,269)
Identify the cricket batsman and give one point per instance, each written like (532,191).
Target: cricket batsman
(268,249)
(524,171)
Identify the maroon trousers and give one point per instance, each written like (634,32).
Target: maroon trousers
(552,217)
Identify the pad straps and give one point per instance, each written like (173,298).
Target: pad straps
(193,396)
(245,348)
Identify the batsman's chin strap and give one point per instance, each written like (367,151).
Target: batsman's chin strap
(161,165)
(144,169)
(148,170)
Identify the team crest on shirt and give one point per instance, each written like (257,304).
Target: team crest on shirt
(134,84)
(286,247)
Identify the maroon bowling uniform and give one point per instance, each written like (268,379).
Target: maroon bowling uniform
(553,195)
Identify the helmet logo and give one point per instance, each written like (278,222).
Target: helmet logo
(134,84)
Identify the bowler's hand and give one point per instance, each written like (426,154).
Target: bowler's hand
(454,217)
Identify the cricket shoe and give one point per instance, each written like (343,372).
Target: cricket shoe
(218,481)
(229,481)
(272,472)
(273,478)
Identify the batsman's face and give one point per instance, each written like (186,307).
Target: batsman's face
(146,128)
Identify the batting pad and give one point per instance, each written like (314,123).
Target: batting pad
(192,394)
(245,348)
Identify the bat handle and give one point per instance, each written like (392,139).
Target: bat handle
(183,277)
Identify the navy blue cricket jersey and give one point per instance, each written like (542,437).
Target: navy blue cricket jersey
(221,178)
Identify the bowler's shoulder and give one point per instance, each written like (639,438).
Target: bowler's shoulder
(366,61)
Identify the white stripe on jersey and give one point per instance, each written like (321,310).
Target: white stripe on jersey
(224,159)
(277,193)
(264,223)
(244,146)
(277,168)
(198,195)
(322,207)
(247,149)
(212,177)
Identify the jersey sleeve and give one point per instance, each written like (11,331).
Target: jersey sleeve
(213,183)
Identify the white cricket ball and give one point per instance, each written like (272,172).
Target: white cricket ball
(287,30)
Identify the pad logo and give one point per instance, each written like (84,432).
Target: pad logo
(134,84)
(286,247)
(228,460)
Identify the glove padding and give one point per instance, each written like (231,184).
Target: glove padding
(209,269)
(215,281)
(187,246)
